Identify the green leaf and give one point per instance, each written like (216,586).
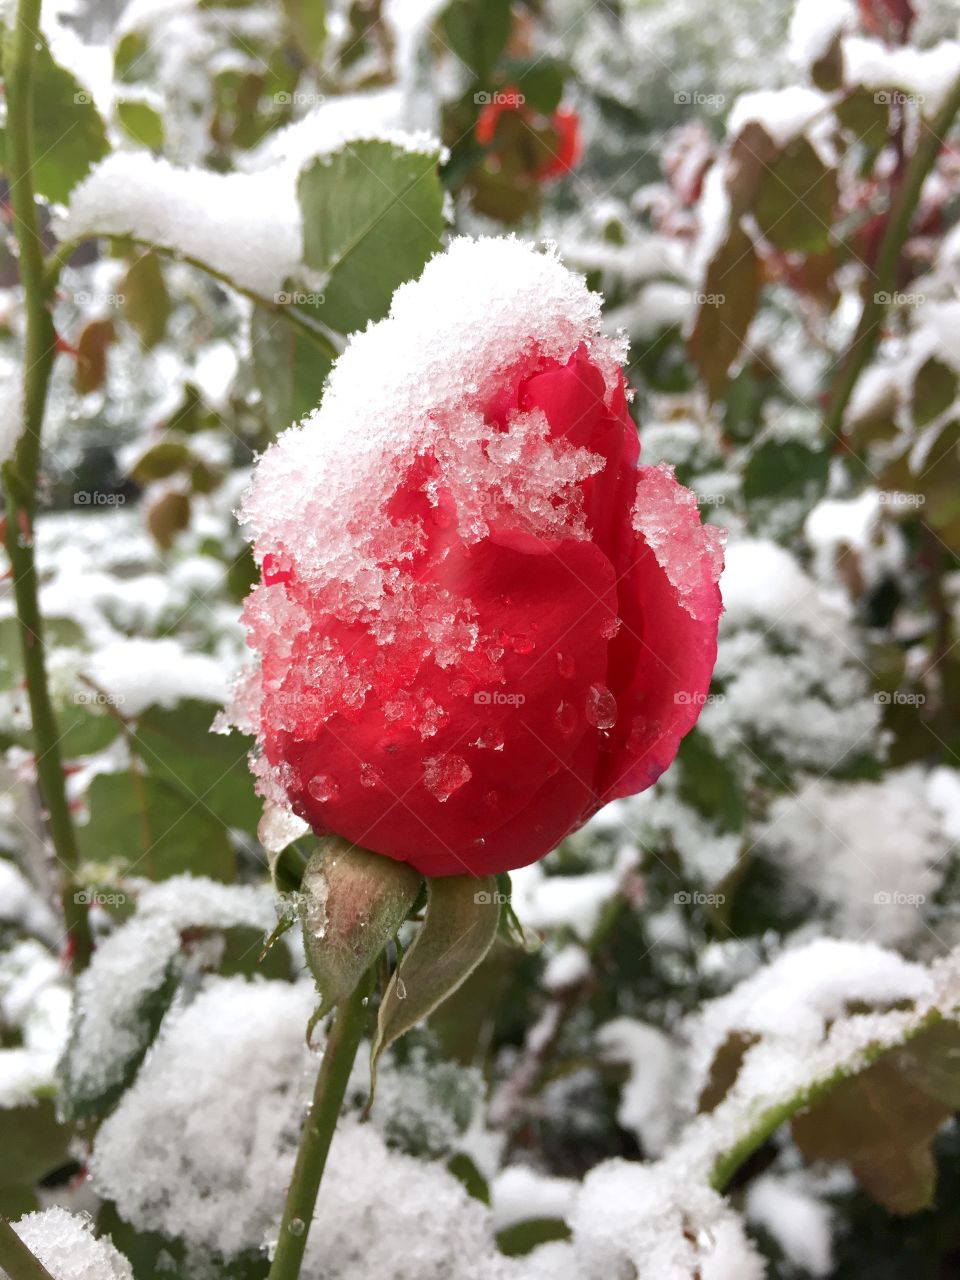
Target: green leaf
(934,390)
(782,481)
(463,914)
(727,304)
(141,824)
(307,23)
(372,216)
(68,134)
(353,903)
(289,368)
(177,746)
(523,1237)
(709,784)
(35,1143)
(161,460)
(881,1122)
(146,303)
(796,201)
(141,123)
(477,32)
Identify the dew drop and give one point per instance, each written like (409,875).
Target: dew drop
(401,989)
(323,788)
(443,775)
(296,1226)
(601,707)
(370,776)
(565,718)
(565,665)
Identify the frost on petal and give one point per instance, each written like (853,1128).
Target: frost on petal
(66,1246)
(690,553)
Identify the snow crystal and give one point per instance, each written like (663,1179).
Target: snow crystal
(928,74)
(663,515)
(868,850)
(943,792)
(838,526)
(783,113)
(139,673)
(350,117)
(798,1221)
(133,962)
(65,1244)
(201,1145)
(634,1214)
(813,28)
(566,968)
(519,1194)
(549,902)
(780,690)
(245,226)
(647,1099)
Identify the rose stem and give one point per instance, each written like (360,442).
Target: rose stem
(16,1259)
(20,473)
(343,1041)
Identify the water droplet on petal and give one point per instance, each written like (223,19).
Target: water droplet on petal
(443,775)
(609,628)
(370,776)
(490,739)
(565,718)
(491,800)
(601,707)
(323,788)
(565,665)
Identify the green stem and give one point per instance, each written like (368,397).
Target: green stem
(16,1259)
(338,1057)
(884,281)
(20,473)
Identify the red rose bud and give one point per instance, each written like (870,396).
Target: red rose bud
(563,123)
(566,125)
(481,618)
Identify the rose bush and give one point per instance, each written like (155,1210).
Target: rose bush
(558,133)
(480,618)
